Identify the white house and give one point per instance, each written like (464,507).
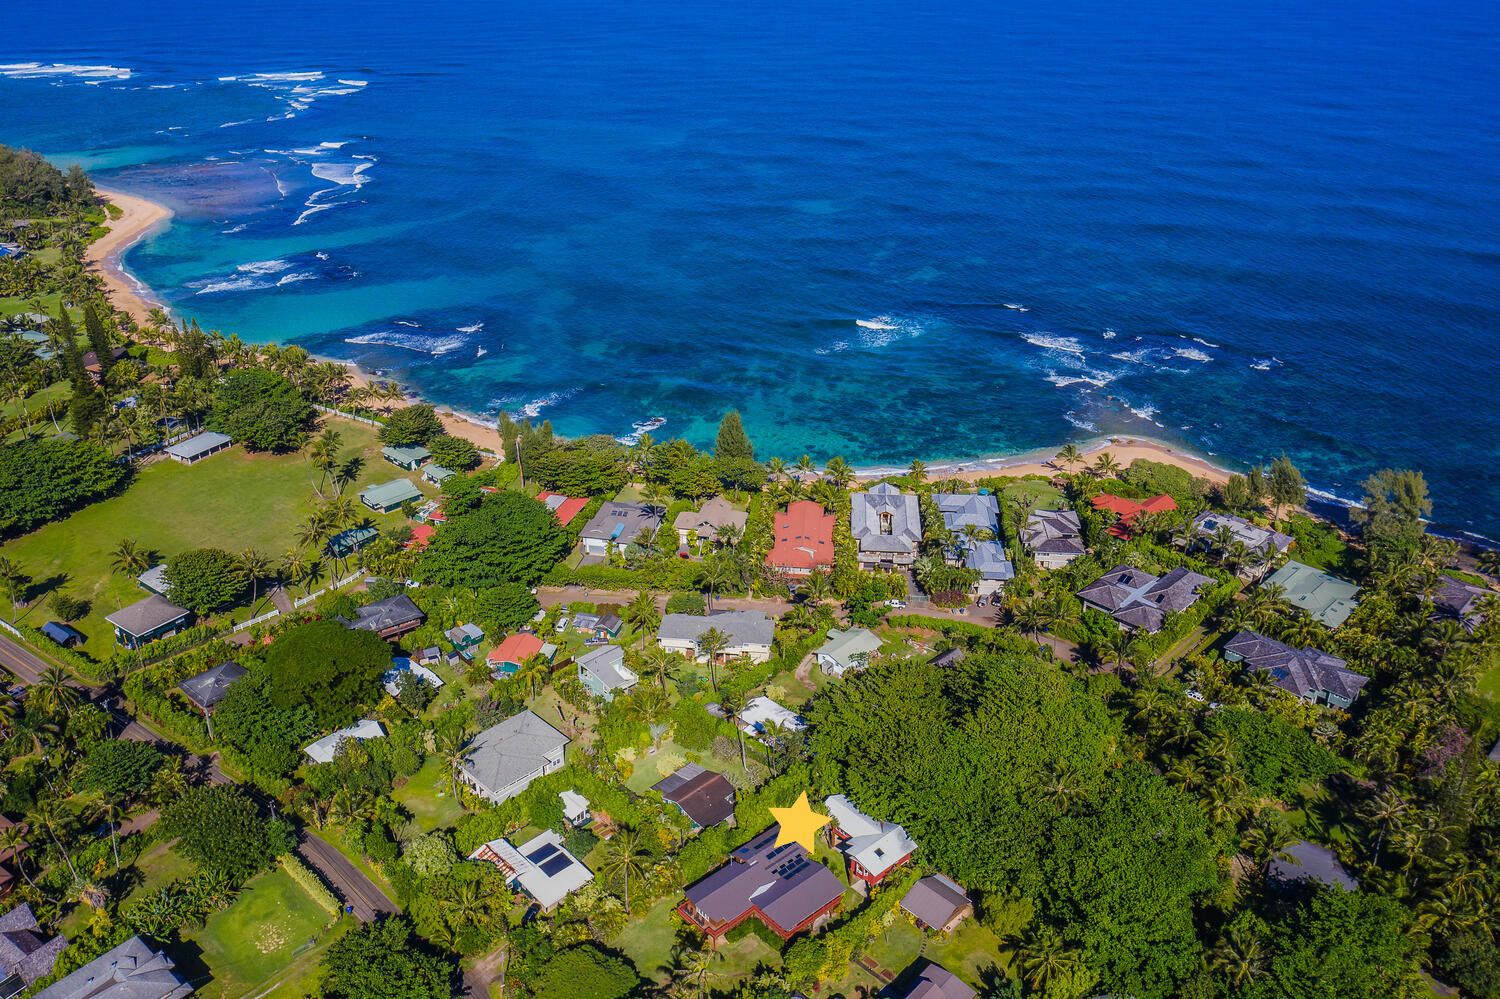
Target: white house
(750,633)
(504,759)
(846,650)
(324,749)
(541,867)
(761,711)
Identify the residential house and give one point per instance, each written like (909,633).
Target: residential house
(347,543)
(1304,861)
(992,562)
(932,981)
(750,633)
(937,904)
(599,627)
(504,759)
(388,618)
(564,508)
(91,365)
(618,524)
(429,656)
(886,526)
(324,750)
(154,579)
(147,620)
(1054,538)
(961,511)
(133,970)
(27,954)
(390,496)
(1127,510)
(63,634)
(464,636)
(421,537)
(1137,599)
(542,867)
(872,847)
(1314,676)
(1461,601)
(781,886)
(1260,541)
(949,657)
(703,526)
(847,650)
(195,449)
(410,458)
(512,653)
(804,540)
(761,712)
(1327,598)
(207,689)
(705,797)
(437,474)
(390,680)
(603,672)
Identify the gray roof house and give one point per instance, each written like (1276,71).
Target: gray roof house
(1314,676)
(1053,537)
(147,620)
(1306,861)
(133,970)
(1257,539)
(154,579)
(846,650)
(26,953)
(990,560)
(887,527)
(933,981)
(602,671)
(960,510)
(1327,598)
(211,686)
(704,523)
(388,618)
(937,903)
(617,524)
(1462,601)
(195,449)
(750,633)
(504,759)
(1137,599)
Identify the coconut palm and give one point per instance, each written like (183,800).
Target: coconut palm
(1105,466)
(805,467)
(256,565)
(14,579)
(776,469)
(917,472)
(48,814)
(1044,958)
(714,574)
(838,472)
(659,664)
(625,855)
(12,839)
(533,673)
(732,704)
(818,587)
(711,645)
(1238,956)
(641,614)
(55,693)
(1068,456)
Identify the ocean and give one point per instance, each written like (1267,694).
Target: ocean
(880,230)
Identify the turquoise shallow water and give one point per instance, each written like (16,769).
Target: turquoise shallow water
(880,231)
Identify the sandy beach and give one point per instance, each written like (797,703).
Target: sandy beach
(486,437)
(1124,450)
(140,218)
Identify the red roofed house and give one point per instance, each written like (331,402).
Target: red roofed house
(1127,510)
(564,508)
(508,656)
(421,537)
(804,540)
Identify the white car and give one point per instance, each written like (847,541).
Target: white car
(896,604)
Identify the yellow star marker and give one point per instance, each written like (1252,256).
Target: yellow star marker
(799,824)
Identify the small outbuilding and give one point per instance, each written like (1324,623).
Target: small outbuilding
(195,449)
(937,903)
(63,634)
(437,474)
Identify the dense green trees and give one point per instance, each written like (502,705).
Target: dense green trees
(29,185)
(204,579)
(411,425)
(219,829)
(510,538)
(589,466)
(42,480)
(453,453)
(734,455)
(331,669)
(585,970)
(1277,756)
(382,960)
(1395,503)
(261,410)
(269,737)
(120,768)
(504,608)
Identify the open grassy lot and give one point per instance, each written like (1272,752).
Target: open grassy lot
(429,797)
(269,927)
(649,937)
(1042,493)
(232,500)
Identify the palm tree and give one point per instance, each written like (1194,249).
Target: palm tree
(714,574)
(917,472)
(1105,466)
(711,644)
(1044,958)
(642,615)
(818,586)
(12,838)
(625,855)
(838,472)
(13,578)
(47,814)
(1386,810)
(1068,456)
(256,565)
(659,664)
(54,692)
(1238,956)
(533,673)
(323,452)
(455,751)
(775,469)
(805,467)
(294,566)
(732,704)
(689,969)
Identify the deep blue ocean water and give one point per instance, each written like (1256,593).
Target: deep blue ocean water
(882,230)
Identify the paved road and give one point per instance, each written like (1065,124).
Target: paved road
(347,880)
(25,664)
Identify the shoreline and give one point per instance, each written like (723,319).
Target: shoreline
(140,217)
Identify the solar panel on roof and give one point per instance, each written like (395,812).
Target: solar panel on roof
(556,866)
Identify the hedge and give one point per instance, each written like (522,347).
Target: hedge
(308,881)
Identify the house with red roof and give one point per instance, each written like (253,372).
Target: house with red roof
(1127,510)
(564,508)
(804,540)
(421,537)
(506,658)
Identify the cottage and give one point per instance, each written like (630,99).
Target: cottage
(1259,540)
(195,449)
(704,796)
(873,848)
(749,633)
(1327,598)
(1462,602)
(63,634)
(27,954)
(390,680)
(1306,861)
(1126,511)
(542,867)
(932,981)
(90,362)
(388,618)
(347,543)
(1314,676)
(564,508)
(421,537)
(847,650)
(1137,599)
(154,579)
(1053,538)
(133,969)
(513,652)
(617,524)
(464,636)
(992,562)
(437,474)
(576,810)
(804,540)
(207,689)
(761,712)
(326,748)
(504,759)
(389,496)
(937,904)
(147,620)
(781,886)
(886,526)
(410,458)
(603,672)
(599,627)
(707,524)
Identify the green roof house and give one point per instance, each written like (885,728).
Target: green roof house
(846,650)
(346,543)
(437,474)
(409,458)
(390,496)
(1328,599)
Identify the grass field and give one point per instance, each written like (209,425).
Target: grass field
(232,500)
(429,798)
(269,927)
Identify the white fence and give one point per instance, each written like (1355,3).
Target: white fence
(348,416)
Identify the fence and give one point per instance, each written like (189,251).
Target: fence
(369,421)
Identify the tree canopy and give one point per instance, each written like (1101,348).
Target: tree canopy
(121,768)
(453,453)
(510,538)
(41,480)
(383,960)
(331,669)
(218,828)
(411,425)
(589,466)
(585,970)
(261,410)
(203,579)
(29,185)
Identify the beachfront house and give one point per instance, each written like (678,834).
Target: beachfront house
(326,748)
(616,525)
(1127,511)
(514,651)
(781,886)
(847,650)
(1329,599)
(504,759)
(937,903)
(410,458)
(1136,599)
(1314,676)
(437,474)
(542,867)
(992,562)
(1053,538)
(132,970)
(389,618)
(390,496)
(705,797)
(1212,529)
(887,528)
(147,620)
(749,633)
(207,689)
(704,526)
(1462,602)
(762,713)
(603,672)
(804,540)
(195,449)
(969,517)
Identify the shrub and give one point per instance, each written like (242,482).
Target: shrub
(309,882)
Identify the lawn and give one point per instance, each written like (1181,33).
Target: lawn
(1489,684)
(649,937)
(271,925)
(1043,494)
(428,797)
(234,500)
